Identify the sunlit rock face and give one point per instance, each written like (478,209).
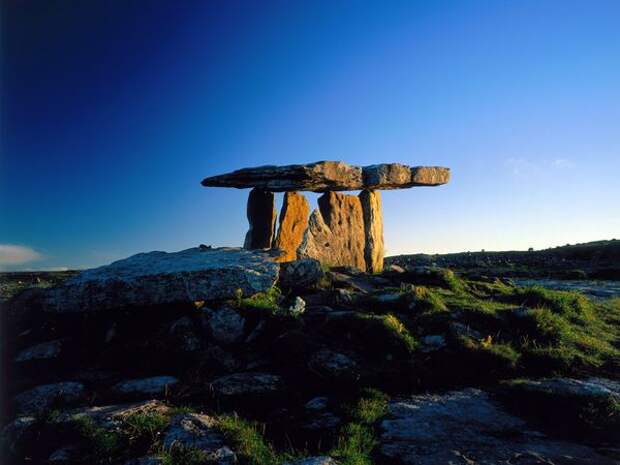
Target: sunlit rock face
(293,224)
(155,278)
(335,234)
(345,230)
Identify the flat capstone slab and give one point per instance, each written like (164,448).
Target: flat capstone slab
(324,176)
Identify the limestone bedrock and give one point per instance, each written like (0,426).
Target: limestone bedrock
(324,176)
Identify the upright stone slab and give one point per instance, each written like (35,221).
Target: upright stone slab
(262,218)
(335,233)
(293,224)
(373,230)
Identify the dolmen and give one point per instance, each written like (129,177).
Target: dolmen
(345,230)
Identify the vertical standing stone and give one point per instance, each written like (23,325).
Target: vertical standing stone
(335,233)
(293,224)
(262,218)
(373,230)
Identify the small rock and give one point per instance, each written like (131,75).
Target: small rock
(221,359)
(253,383)
(226,325)
(316,404)
(43,351)
(304,273)
(320,460)
(298,308)
(16,431)
(48,395)
(153,386)
(345,296)
(183,332)
(568,387)
(322,421)
(388,297)
(195,431)
(66,454)
(394,268)
(148,460)
(459,329)
(433,342)
(331,364)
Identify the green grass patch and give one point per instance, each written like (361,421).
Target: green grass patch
(357,439)
(183,456)
(103,446)
(144,427)
(265,301)
(247,442)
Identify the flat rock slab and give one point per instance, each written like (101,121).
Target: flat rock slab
(468,427)
(154,278)
(323,176)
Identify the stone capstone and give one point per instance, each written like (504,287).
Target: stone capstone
(373,230)
(156,278)
(261,214)
(326,176)
(293,224)
(335,234)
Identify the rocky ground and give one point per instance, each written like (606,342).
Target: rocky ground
(412,366)
(599,260)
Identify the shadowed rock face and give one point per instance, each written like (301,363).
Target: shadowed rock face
(326,176)
(262,218)
(335,234)
(293,224)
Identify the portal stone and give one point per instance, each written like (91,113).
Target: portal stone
(262,218)
(335,234)
(293,224)
(373,228)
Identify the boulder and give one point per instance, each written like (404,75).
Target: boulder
(184,335)
(373,230)
(293,224)
(568,387)
(330,364)
(46,396)
(243,384)
(326,176)
(298,308)
(225,325)
(44,351)
(161,278)
(261,214)
(305,273)
(17,433)
(198,432)
(468,426)
(335,234)
(109,416)
(320,460)
(145,387)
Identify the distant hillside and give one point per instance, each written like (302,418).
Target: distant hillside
(596,260)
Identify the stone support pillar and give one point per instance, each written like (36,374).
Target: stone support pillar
(261,214)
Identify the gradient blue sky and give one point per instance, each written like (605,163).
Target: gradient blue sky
(113,111)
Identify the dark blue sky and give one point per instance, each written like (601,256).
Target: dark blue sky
(113,111)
